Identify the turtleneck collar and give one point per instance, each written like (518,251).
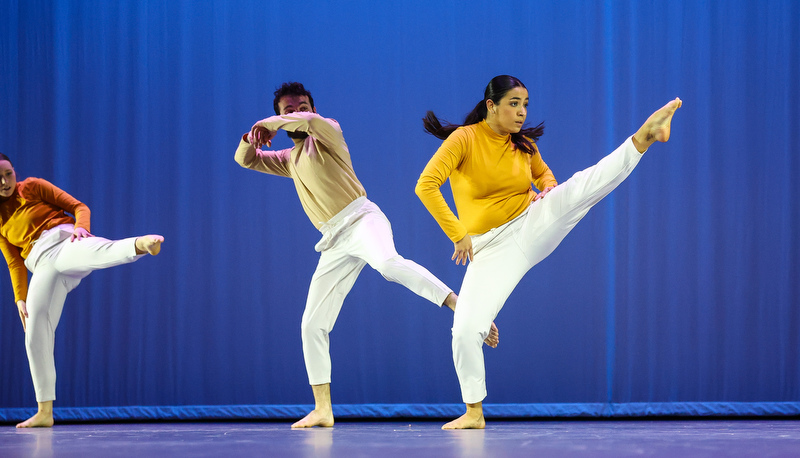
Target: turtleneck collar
(492,134)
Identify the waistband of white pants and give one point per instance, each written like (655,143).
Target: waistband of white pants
(47,240)
(352,207)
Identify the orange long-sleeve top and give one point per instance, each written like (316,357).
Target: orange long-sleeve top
(36,206)
(490,178)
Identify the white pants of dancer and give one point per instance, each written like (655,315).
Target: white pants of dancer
(358,235)
(58,266)
(504,254)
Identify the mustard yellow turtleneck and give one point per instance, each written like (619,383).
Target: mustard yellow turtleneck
(490,180)
(36,206)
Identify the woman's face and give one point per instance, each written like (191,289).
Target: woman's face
(508,115)
(8,179)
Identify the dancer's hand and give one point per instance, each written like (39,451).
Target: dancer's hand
(543,193)
(260,136)
(23,313)
(80,233)
(463,250)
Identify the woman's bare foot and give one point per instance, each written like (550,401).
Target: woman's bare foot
(315,418)
(42,419)
(657,126)
(473,419)
(149,244)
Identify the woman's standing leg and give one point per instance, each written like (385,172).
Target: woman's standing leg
(46,295)
(494,272)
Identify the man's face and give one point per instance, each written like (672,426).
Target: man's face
(291,103)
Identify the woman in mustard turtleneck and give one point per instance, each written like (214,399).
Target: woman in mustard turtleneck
(38,234)
(504,227)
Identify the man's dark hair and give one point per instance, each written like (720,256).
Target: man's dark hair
(291,88)
(3,157)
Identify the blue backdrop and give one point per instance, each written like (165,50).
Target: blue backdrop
(681,287)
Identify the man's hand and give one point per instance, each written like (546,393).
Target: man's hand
(23,313)
(463,250)
(260,136)
(79,233)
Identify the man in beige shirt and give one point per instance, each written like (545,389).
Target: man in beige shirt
(354,230)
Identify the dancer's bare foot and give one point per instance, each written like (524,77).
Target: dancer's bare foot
(42,419)
(473,419)
(315,418)
(322,415)
(149,244)
(493,338)
(494,335)
(657,126)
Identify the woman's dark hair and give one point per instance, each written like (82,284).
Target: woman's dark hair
(291,88)
(497,89)
(3,157)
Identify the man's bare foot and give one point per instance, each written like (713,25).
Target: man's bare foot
(657,126)
(40,420)
(149,244)
(494,335)
(315,418)
(473,419)
(493,338)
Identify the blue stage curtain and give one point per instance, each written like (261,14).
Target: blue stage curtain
(681,287)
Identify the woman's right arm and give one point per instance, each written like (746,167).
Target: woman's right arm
(446,159)
(23,314)
(16,268)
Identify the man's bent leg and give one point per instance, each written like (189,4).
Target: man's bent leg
(371,240)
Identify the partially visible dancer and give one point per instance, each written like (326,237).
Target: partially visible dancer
(504,227)
(38,234)
(354,230)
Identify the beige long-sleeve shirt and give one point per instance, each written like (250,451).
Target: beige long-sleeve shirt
(319,165)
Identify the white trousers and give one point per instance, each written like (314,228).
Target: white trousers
(358,235)
(58,266)
(504,254)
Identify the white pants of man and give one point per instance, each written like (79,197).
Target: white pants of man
(504,254)
(58,266)
(358,235)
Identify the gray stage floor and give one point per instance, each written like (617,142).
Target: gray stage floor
(657,438)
